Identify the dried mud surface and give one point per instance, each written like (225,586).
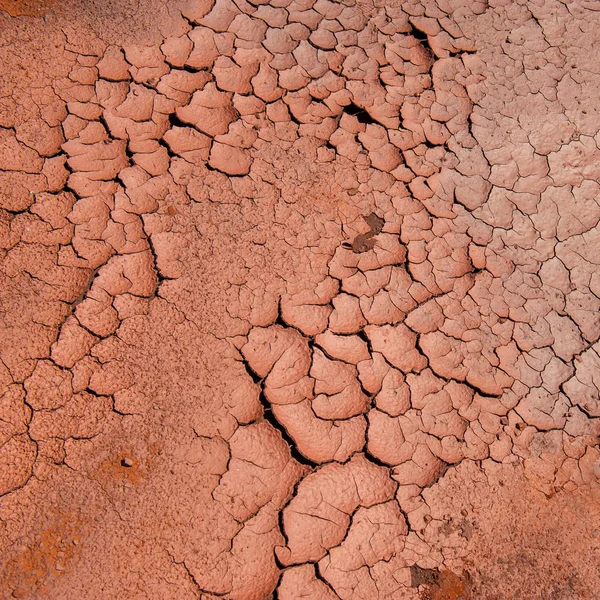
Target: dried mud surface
(300,299)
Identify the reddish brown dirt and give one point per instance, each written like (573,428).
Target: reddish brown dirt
(29,8)
(299,299)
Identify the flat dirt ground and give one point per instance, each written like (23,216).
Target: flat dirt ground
(300,299)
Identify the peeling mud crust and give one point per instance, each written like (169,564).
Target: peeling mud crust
(299,299)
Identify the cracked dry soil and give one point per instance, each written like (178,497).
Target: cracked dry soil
(300,299)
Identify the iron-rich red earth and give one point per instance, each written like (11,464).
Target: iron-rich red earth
(300,299)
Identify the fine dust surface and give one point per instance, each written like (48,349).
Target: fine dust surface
(299,299)
(30,8)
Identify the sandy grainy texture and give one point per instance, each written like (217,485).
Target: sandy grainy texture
(300,299)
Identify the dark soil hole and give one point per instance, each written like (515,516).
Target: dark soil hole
(360,113)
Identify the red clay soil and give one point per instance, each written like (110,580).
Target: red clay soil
(29,8)
(300,299)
